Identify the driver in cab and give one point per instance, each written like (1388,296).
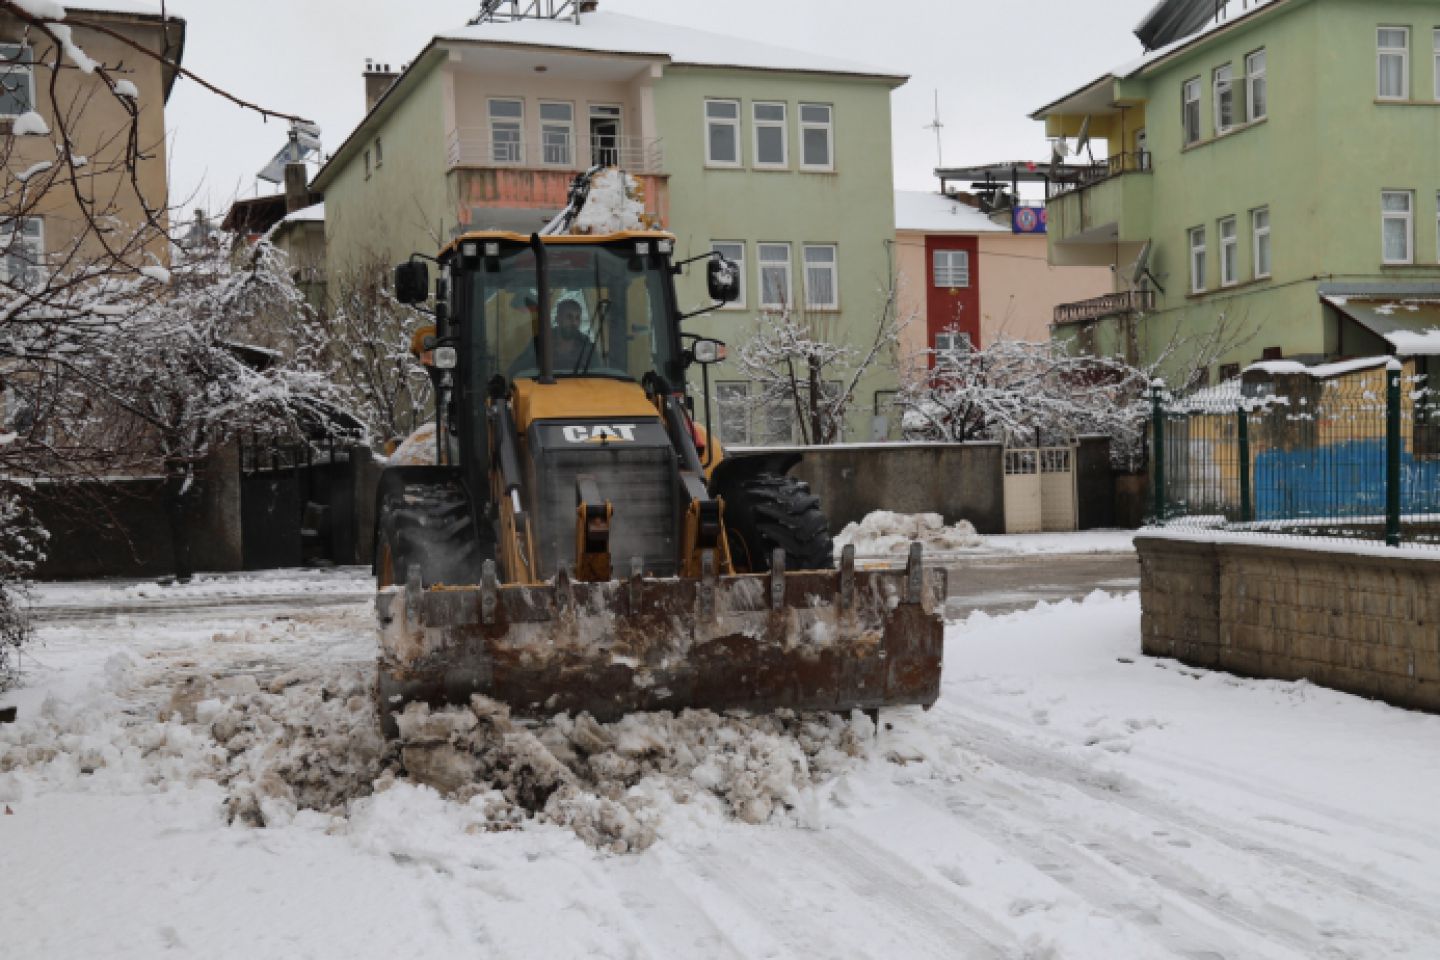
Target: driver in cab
(571,345)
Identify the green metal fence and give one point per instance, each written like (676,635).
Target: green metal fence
(1352,452)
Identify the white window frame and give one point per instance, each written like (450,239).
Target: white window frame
(1260,238)
(951,342)
(828,126)
(1222,91)
(1381,53)
(18,238)
(564,127)
(773,262)
(1407,217)
(832,268)
(1187,134)
(1227,230)
(737,246)
(18,60)
(733,123)
(950,269)
(515,156)
(1256,78)
(1196,237)
(1437,63)
(783,125)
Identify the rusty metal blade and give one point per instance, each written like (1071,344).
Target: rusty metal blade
(836,640)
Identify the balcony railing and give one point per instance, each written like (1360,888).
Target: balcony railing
(1110,305)
(1072,178)
(557,150)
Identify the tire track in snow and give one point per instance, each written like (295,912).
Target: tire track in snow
(1322,889)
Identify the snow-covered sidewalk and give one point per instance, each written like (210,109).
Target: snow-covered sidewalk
(1066,798)
(885,535)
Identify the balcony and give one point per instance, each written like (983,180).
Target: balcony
(1097,206)
(1110,305)
(1075,178)
(556,150)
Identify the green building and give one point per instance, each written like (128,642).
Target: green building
(1270,185)
(779,158)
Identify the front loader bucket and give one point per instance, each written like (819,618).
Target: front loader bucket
(817,641)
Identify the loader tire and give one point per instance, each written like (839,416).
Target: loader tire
(430,526)
(770,510)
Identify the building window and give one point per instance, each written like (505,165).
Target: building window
(817,137)
(1256,104)
(1437,64)
(722,133)
(24,252)
(1229,371)
(1224,99)
(17,79)
(606,134)
(779,422)
(1197,260)
(734,251)
(1229,252)
(1260,231)
(1397,209)
(367,164)
(557,134)
(379,153)
(1392,57)
(772,148)
(822,289)
(507,119)
(775,276)
(951,268)
(1190,110)
(951,343)
(732,403)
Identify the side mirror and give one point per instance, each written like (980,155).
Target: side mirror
(723,278)
(412,282)
(707,351)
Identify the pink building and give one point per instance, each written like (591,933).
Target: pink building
(963,268)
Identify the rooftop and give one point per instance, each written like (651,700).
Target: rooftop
(615,33)
(936,213)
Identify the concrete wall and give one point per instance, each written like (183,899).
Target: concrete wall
(962,481)
(1359,623)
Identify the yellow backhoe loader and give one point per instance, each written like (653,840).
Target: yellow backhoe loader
(581,542)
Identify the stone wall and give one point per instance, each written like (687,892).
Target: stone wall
(1365,623)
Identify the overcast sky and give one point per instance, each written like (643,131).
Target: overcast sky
(992,64)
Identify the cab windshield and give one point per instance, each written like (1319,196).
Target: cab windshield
(607,314)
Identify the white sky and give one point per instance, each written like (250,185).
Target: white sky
(992,64)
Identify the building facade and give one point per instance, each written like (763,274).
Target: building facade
(1259,172)
(777,158)
(969,278)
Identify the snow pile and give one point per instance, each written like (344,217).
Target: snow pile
(883,533)
(306,743)
(610,783)
(616,202)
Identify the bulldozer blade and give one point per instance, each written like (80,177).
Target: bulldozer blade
(812,641)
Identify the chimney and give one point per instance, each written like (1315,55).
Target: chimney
(378,78)
(297,187)
(588,6)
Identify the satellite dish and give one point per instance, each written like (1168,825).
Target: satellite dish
(304,144)
(1061,149)
(1141,270)
(1082,142)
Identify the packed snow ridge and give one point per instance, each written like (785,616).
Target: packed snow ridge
(307,743)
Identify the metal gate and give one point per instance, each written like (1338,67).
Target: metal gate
(1040,490)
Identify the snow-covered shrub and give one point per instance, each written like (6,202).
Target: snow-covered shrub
(20,549)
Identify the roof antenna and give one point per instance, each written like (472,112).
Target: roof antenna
(937,126)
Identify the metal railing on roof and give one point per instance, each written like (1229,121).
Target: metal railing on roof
(489,147)
(1073,178)
(1112,304)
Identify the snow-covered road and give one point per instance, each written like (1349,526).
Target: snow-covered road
(1067,798)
